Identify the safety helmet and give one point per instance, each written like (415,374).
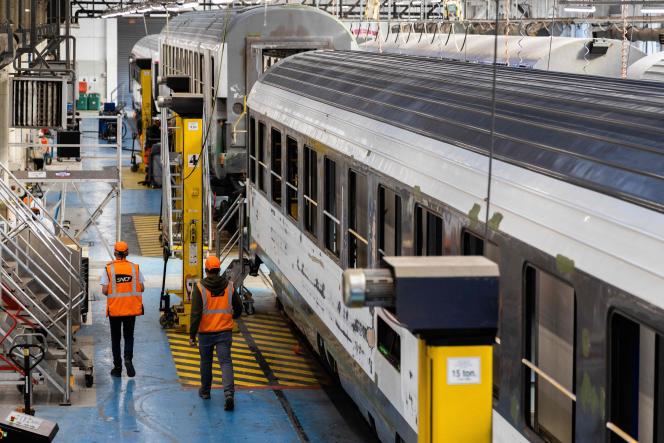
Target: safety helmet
(121,247)
(212,262)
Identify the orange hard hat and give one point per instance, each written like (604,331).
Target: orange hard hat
(121,247)
(212,262)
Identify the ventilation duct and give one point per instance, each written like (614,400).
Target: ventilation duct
(39,102)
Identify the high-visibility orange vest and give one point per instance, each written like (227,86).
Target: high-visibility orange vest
(217,311)
(124,298)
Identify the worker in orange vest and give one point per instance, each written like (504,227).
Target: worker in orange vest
(212,320)
(124,303)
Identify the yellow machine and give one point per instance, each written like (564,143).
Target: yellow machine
(451,305)
(146,111)
(187,201)
(455,393)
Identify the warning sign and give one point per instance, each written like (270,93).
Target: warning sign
(192,160)
(463,371)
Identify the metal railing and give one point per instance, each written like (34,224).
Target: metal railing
(620,433)
(237,237)
(31,252)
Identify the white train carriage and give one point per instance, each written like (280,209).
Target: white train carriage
(355,155)
(223,52)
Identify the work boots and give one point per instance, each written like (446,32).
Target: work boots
(116,371)
(130,368)
(229,405)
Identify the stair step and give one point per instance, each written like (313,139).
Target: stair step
(56,354)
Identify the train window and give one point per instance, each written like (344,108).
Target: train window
(252,152)
(358,220)
(636,381)
(262,166)
(389,343)
(428,232)
(472,244)
(310,190)
(389,222)
(291,177)
(275,162)
(549,360)
(330,213)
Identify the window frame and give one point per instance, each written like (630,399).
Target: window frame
(331,200)
(310,183)
(353,227)
(292,187)
(426,213)
(658,376)
(381,222)
(532,371)
(276,175)
(253,144)
(261,160)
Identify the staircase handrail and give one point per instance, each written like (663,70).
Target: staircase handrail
(36,203)
(8,277)
(33,275)
(22,213)
(27,243)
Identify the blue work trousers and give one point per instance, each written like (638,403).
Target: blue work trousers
(207,343)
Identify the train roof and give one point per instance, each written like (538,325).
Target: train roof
(146,47)
(208,27)
(598,133)
(560,54)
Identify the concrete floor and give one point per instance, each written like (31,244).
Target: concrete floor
(154,406)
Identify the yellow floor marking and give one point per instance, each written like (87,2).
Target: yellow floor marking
(293,377)
(195,350)
(291,365)
(241,365)
(288,341)
(147,233)
(294,357)
(265,344)
(270,330)
(193,359)
(282,370)
(236,359)
(267,322)
(195,371)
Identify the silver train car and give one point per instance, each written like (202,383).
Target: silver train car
(144,55)
(223,52)
(559,54)
(354,156)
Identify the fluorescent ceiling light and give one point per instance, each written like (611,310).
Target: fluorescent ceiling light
(652,10)
(580,9)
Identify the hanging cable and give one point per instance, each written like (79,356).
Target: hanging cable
(553,26)
(623,47)
(508,8)
(494,82)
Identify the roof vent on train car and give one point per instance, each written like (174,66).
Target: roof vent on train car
(39,102)
(598,46)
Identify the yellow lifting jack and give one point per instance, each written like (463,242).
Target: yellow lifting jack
(451,305)
(187,205)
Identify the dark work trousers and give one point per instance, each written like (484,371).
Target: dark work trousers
(207,343)
(122,326)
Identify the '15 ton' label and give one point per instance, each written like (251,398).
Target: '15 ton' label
(463,371)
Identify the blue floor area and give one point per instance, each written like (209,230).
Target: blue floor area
(154,406)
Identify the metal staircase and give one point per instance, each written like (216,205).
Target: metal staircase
(43,289)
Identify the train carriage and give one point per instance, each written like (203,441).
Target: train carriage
(356,156)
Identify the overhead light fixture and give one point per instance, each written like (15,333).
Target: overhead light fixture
(652,10)
(580,9)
